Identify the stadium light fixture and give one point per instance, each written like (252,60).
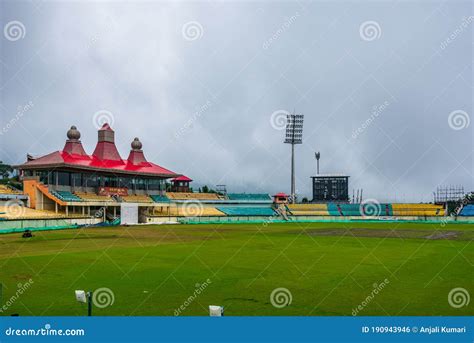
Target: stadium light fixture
(318,156)
(293,136)
(216,311)
(85,297)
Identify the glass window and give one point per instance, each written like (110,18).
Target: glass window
(124,182)
(91,180)
(76,179)
(154,184)
(139,184)
(64,179)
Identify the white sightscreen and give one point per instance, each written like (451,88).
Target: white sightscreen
(128,213)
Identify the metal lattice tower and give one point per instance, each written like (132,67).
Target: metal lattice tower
(445,194)
(293,136)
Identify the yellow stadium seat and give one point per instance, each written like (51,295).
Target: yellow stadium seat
(17,213)
(94,197)
(309,209)
(418,210)
(192,196)
(185,211)
(137,198)
(4,189)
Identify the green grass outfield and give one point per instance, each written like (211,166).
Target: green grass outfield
(329,269)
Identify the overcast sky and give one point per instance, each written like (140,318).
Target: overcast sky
(385,87)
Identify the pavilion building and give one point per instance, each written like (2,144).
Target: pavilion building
(71,177)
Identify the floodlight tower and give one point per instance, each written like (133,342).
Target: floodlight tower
(318,156)
(294,135)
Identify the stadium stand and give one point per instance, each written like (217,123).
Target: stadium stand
(417,210)
(349,209)
(308,209)
(65,196)
(334,210)
(4,189)
(248,196)
(22,212)
(467,211)
(176,211)
(137,198)
(247,211)
(94,197)
(192,196)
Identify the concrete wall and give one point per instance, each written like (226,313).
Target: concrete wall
(6,225)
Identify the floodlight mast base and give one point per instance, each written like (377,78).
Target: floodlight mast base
(89,304)
(293,184)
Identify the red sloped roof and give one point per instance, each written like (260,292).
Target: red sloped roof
(281,195)
(182,178)
(61,158)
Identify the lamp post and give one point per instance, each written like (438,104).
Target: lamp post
(318,156)
(294,135)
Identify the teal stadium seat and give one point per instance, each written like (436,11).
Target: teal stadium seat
(66,196)
(159,198)
(333,210)
(248,196)
(247,211)
(354,210)
(467,211)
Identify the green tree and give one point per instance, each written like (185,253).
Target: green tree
(5,170)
